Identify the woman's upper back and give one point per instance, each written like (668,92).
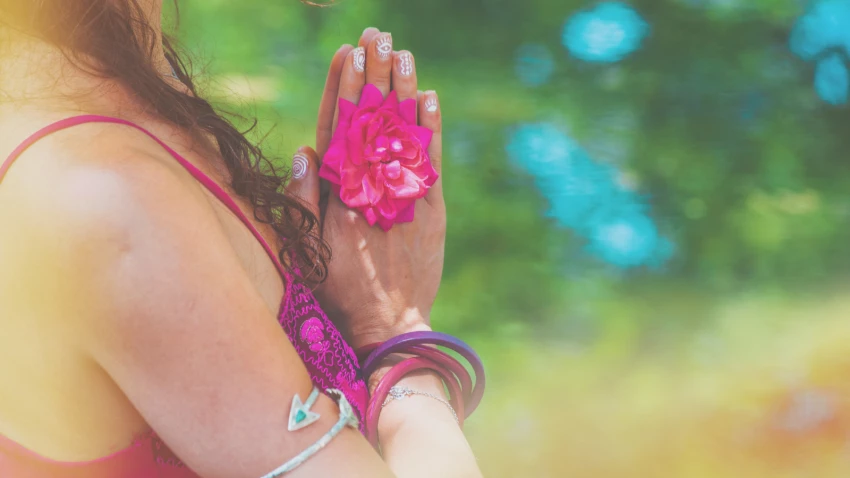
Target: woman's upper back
(132,289)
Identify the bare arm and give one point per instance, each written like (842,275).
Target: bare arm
(177,324)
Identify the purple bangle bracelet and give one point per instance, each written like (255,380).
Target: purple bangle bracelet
(405,342)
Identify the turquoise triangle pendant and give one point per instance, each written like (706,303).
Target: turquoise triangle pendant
(300,414)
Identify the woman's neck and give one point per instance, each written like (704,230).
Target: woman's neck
(153,17)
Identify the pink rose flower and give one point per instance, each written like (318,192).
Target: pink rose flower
(378,162)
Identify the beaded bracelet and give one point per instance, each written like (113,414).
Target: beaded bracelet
(392,378)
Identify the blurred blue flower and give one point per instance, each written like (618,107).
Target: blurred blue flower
(564,174)
(577,190)
(832,80)
(825,25)
(822,34)
(605,34)
(623,236)
(536,147)
(584,196)
(534,64)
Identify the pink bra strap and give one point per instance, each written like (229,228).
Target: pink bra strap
(211,185)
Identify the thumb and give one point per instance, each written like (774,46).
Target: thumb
(305,178)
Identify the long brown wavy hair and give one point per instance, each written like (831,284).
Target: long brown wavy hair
(110,38)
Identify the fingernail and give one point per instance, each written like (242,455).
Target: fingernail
(300,165)
(384,46)
(431,103)
(359,59)
(405,64)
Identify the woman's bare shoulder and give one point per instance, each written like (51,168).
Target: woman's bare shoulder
(94,180)
(89,199)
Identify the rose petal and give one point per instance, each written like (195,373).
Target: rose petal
(374,127)
(382,142)
(357,157)
(433,175)
(329,175)
(371,97)
(354,198)
(346,110)
(391,103)
(371,156)
(392,169)
(410,151)
(355,139)
(408,186)
(396,146)
(373,188)
(335,155)
(424,135)
(352,175)
(332,162)
(387,208)
(385,224)
(405,214)
(370,215)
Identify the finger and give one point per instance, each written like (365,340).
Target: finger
(404,80)
(379,57)
(367,36)
(305,178)
(327,107)
(353,76)
(430,116)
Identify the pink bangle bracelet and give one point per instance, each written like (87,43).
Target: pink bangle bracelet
(437,356)
(450,363)
(405,341)
(393,376)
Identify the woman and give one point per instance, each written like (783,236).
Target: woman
(144,250)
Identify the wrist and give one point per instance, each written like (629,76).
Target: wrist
(382,334)
(403,412)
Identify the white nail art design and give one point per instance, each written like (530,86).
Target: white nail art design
(431,105)
(300,164)
(359,59)
(405,64)
(384,47)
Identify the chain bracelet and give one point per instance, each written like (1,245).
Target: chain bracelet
(400,393)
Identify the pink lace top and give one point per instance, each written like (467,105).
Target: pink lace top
(329,359)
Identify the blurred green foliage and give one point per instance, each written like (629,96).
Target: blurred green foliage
(714,120)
